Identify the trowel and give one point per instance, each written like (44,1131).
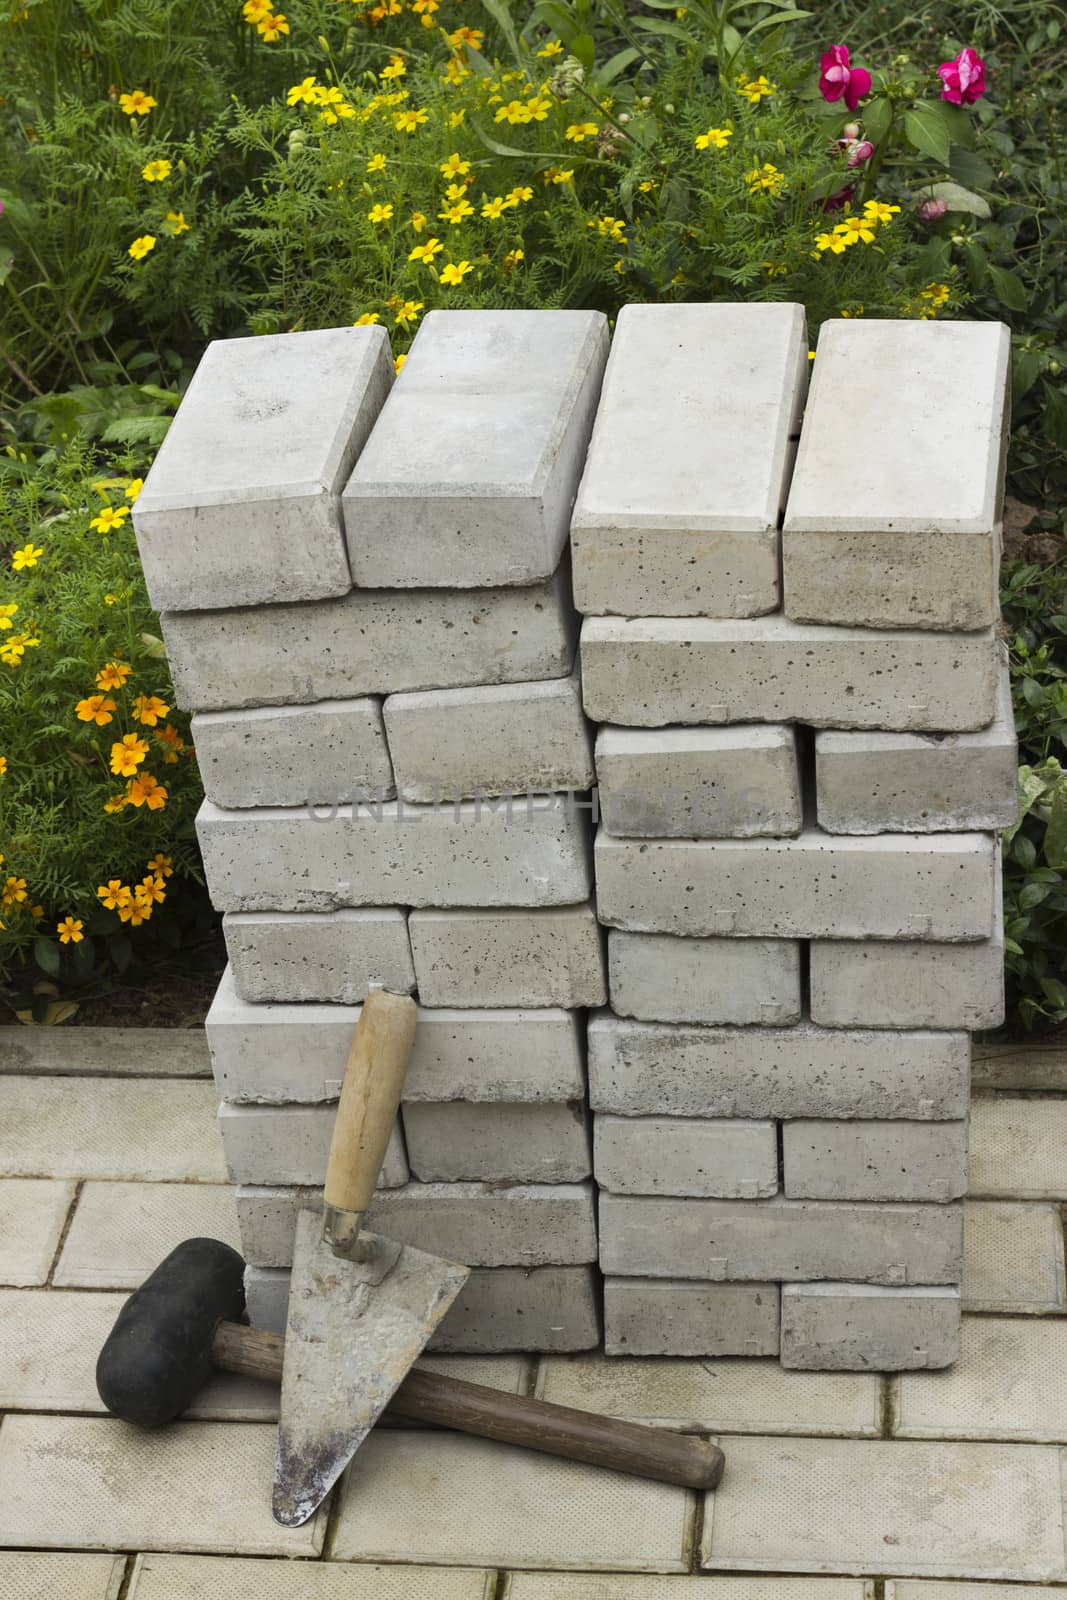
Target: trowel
(361,1307)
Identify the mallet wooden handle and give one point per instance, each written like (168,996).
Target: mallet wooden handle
(678,1458)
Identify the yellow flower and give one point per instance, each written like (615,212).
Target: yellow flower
(254,10)
(127,754)
(831,241)
(472,36)
(3,766)
(376,163)
(494,209)
(367,320)
(117,802)
(609,227)
(161,865)
(379,213)
(767,178)
(715,138)
(456,191)
(95,708)
(456,213)
(12,650)
(854,228)
(455,166)
(110,518)
(271,28)
(133,489)
(134,909)
(514,112)
(398,364)
(875,211)
(156,171)
(14,892)
(512,259)
(408,121)
(552,48)
(147,791)
(537,108)
(28,556)
(70,931)
(578,131)
(517,196)
(113,675)
(176,223)
(558,174)
(455,274)
(426,252)
(149,709)
(110,893)
(150,888)
(302,92)
(396,69)
(137,104)
(418,220)
(936,293)
(754,89)
(6,613)
(407,312)
(140,247)
(775,269)
(172,742)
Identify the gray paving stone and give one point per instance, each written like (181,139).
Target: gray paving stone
(454,744)
(914,543)
(875,1160)
(459,1141)
(649,672)
(1019,1148)
(94,1483)
(492,853)
(1007,1384)
(1013,1258)
(169,1577)
(728,1158)
(888,1506)
(536,957)
(678,509)
(329,753)
(937,886)
(670,1317)
(915,783)
(698,783)
(595,1586)
(411,1496)
(857,1326)
(334,956)
(291,1144)
(470,473)
(905,1590)
(372,641)
(664,977)
(33,1213)
(242,506)
(783,1240)
(154,1129)
(717,1396)
(178,1052)
(122,1231)
(35,1575)
(484,1225)
(646,1069)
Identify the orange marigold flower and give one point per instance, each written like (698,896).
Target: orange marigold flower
(147,791)
(95,708)
(113,675)
(149,709)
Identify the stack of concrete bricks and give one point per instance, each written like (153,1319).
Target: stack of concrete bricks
(366,601)
(805,752)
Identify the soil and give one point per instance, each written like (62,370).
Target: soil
(1037,545)
(175,1000)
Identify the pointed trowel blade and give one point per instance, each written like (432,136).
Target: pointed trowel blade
(355,1329)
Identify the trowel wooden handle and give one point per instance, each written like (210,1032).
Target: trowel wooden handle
(370,1096)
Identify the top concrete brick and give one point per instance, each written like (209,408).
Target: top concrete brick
(913,543)
(469,476)
(242,505)
(677,514)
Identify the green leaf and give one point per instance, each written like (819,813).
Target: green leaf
(1056,832)
(46,955)
(927,134)
(668,30)
(7,261)
(1033,894)
(957,198)
(618,63)
(1024,851)
(876,119)
(500,14)
(120,950)
(971,169)
(1008,287)
(1055,415)
(1025,371)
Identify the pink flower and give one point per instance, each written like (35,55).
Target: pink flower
(836,202)
(837,80)
(933,210)
(857,150)
(963,80)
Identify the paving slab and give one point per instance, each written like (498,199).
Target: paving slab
(302,957)
(93,1483)
(1019,1148)
(242,505)
(687,469)
(122,1231)
(156,1129)
(35,1575)
(721,1396)
(33,1212)
(471,470)
(324,754)
(888,1507)
(457,1501)
(170,1577)
(178,1052)
(373,641)
(552,956)
(905,1589)
(1013,1258)
(595,1586)
(1007,1384)
(665,977)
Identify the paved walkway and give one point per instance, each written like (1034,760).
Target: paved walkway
(838,1486)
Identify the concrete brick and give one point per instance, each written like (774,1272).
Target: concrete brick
(658,1317)
(535,957)
(524,1225)
(788,1240)
(645,1069)
(660,977)
(875,1160)
(296,1054)
(290,1144)
(914,543)
(648,672)
(909,983)
(452,744)
(286,859)
(728,1159)
(120,1232)
(936,886)
(33,1214)
(174,1577)
(372,641)
(470,474)
(241,506)
(329,753)
(678,509)
(867,1328)
(333,956)
(916,783)
(698,783)
(457,1142)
